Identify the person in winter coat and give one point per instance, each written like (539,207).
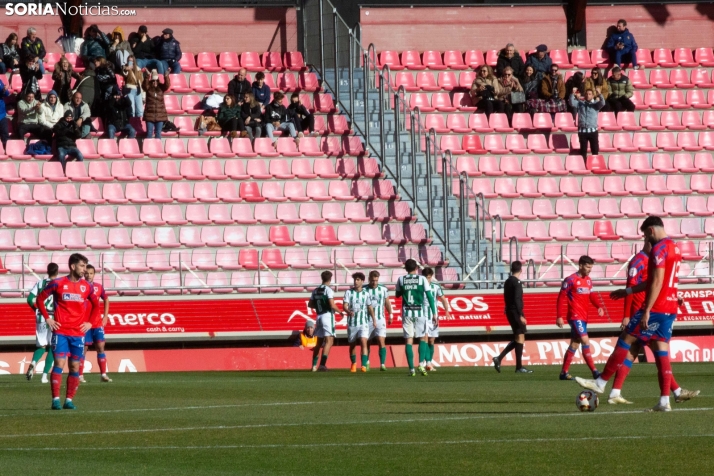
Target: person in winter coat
(31,45)
(96,45)
(238,86)
(89,88)
(66,132)
(278,117)
(28,118)
(540,61)
(530,83)
(622,45)
(261,91)
(597,83)
(62,76)
(509,83)
(510,58)
(252,116)
(303,118)
(120,49)
(552,94)
(4,126)
(117,111)
(31,75)
(621,90)
(587,108)
(10,54)
(229,118)
(52,110)
(106,79)
(133,78)
(168,51)
(81,113)
(143,49)
(155,110)
(487,89)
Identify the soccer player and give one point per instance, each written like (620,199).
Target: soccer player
(577,291)
(380,298)
(513,298)
(653,322)
(359,307)
(432,320)
(322,300)
(43,333)
(95,335)
(415,292)
(637,274)
(70,323)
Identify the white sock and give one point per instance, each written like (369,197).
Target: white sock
(67,400)
(678,392)
(34,363)
(615,392)
(664,401)
(600,382)
(55,398)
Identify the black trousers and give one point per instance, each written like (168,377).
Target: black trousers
(514,319)
(307,122)
(585,138)
(232,125)
(37,130)
(489,107)
(620,104)
(4,131)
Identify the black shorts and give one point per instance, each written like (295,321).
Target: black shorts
(514,319)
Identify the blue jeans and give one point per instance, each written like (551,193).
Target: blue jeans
(72,152)
(150,64)
(151,126)
(137,102)
(283,127)
(86,129)
(172,65)
(41,65)
(127,130)
(625,53)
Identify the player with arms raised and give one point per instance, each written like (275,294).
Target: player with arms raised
(322,300)
(70,294)
(380,298)
(432,320)
(654,321)
(95,335)
(577,291)
(43,333)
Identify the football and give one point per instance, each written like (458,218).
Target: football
(587,401)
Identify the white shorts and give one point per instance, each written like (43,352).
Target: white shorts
(414,327)
(357,332)
(432,330)
(380,330)
(43,334)
(325,326)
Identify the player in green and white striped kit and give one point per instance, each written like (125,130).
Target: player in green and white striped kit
(380,296)
(433,319)
(43,332)
(359,306)
(415,292)
(322,300)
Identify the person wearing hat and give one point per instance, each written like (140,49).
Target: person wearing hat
(51,111)
(95,45)
(120,49)
(117,111)
(155,110)
(143,49)
(168,51)
(307,338)
(66,132)
(81,113)
(540,61)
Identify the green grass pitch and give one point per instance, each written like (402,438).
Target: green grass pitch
(454,421)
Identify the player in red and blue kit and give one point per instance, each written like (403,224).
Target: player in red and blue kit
(95,335)
(577,292)
(652,323)
(70,294)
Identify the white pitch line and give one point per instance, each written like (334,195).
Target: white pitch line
(343,423)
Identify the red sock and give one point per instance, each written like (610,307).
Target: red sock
(56,382)
(673,385)
(569,354)
(102,361)
(72,384)
(81,367)
(664,371)
(588,357)
(622,349)
(622,374)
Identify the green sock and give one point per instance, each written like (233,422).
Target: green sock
(49,361)
(314,360)
(365,359)
(38,354)
(410,356)
(353,358)
(423,349)
(323,360)
(383,355)
(431,353)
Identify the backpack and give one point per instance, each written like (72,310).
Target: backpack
(170,127)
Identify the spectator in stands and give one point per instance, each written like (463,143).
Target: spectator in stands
(81,113)
(96,45)
(28,119)
(587,108)
(621,90)
(10,55)
(66,133)
(168,51)
(540,60)
(530,83)
(106,79)
(62,76)
(278,117)
(88,87)
(261,91)
(229,118)
(31,45)
(509,84)
(31,75)
(238,86)
(487,91)
(597,83)
(133,78)
(622,45)
(4,125)
(552,93)
(52,110)
(303,118)
(143,49)
(117,111)
(155,110)
(307,338)
(120,49)
(574,84)
(510,58)
(252,116)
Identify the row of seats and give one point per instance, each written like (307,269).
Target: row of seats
(599,251)
(454,59)
(613,274)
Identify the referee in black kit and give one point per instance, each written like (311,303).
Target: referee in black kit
(513,297)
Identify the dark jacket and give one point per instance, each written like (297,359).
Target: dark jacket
(262,95)
(117,112)
(516,63)
(155,109)
(3,94)
(513,296)
(36,48)
(142,49)
(66,134)
(620,87)
(167,49)
(541,66)
(95,47)
(277,113)
(106,79)
(9,55)
(298,109)
(62,82)
(238,88)
(226,113)
(253,112)
(27,74)
(89,87)
(625,38)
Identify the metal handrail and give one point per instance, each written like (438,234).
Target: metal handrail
(511,241)
(530,266)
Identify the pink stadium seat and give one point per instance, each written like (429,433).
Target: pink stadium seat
(654,100)
(188,63)
(426,81)
(663,58)
(207,62)
(581,59)
(273,61)
(390,58)
(455,60)
(706,140)
(499,123)
(474,58)
(442,102)
(560,57)
(228,60)
(412,60)
(447,80)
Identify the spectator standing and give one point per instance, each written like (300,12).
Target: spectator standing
(31,75)
(52,110)
(552,93)
(29,118)
(106,79)
(540,61)
(587,109)
(4,126)
(10,55)
(621,90)
(510,58)
(252,116)
(89,88)
(143,49)
(155,110)
(261,91)
(229,117)
(96,45)
(62,76)
(32,45)
(303,118)
(81,113)
(597,83)
(133,79)
(168,51)
(487,91)
(622,45)
(120,49)
(277,117)
(117,111)
(509,84)
(66,133)
(239,85)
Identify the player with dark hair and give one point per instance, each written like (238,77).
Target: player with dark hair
(69,323)
(577,291)
(653,322)
(95,335)
(513,299)
(432,320)
(359,307)
(322,300)
(380,299)
(43,333)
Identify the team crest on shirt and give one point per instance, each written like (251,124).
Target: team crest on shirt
(633,272)
(577,282)
(65,287)
(82,288)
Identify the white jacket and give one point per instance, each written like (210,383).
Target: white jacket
(48,117)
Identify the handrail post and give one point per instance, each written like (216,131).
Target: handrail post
(322,43)
(382,136)
(398,102)
(351,73)
(479,210)
(414,115)
(365,96)
(181,263)
(493,244)
(463,211)
(711,260)
(22,275)
(483,215)
(445,191)
(511,241)
(429,202)
(562,263)
(337,62)
(529,266)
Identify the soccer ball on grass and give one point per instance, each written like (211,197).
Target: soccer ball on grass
(587,401)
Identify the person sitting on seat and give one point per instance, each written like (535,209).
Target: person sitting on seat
(303,118)
(278,117)
(66,133)
(52,110)
(261,91)
(117,111)
(307,338)
(622,45)
(80,113)
(29,118)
